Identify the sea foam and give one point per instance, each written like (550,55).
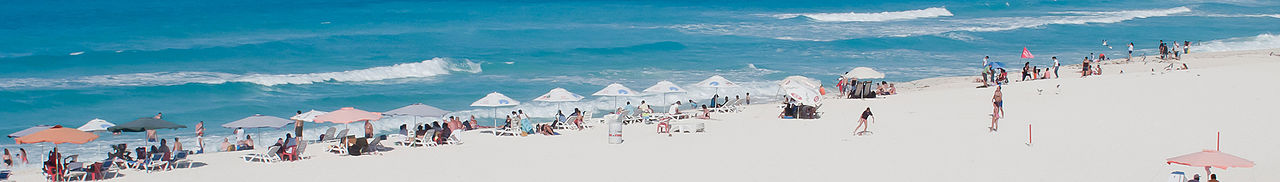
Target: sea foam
(1261,41)
(426,68)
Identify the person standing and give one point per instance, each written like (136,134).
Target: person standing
(297,129)
(1130,52)
(8,160)
(1055,67)
(997,101)
(1186,47)
(23,155)
(863,121)
(199,137)
(368,129)
(748,98)
(984,60)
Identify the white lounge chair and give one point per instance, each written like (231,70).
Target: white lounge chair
(266,157)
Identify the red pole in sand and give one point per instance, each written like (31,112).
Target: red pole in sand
(1028,133)
(1219,147)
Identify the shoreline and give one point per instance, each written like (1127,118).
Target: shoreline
(931,131)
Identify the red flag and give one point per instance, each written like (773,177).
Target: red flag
(1027,53)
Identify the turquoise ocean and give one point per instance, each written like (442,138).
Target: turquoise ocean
(67,62)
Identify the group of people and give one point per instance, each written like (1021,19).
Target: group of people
(1170,50)
(886,88)
(8,159)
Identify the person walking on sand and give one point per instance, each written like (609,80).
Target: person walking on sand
(997,112)
(863,121)
(199,137)
(1055,67)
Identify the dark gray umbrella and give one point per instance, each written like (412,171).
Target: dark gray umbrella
(29,131)
(144,124)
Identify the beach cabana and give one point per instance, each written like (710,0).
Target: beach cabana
(615,90)
(495,100)
(664,87)
(29,131)
(417,110)
(96,125)
(559,95)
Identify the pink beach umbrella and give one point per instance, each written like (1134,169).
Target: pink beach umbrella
(348,115)
(1210,158)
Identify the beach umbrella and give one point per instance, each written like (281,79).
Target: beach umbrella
(417,110)
(347,115)
(716,82)
(308,116)
(495,100)
(96,125)
(258,121)
(1210,158)
(29,131)
(615,90)
(58,135)
(865,73)
(995,65)
(802,93)
(559,95)
(803,81)
(664,87)
(144,124)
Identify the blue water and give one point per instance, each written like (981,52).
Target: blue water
(66,62)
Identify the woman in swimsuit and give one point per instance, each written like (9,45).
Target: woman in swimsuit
(863,121)
(8,161)
(998,101)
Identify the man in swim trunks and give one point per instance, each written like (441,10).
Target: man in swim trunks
(863,121)
(998,102)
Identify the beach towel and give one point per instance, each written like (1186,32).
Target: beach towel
(526,125)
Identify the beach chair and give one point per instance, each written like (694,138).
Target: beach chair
(267,156)
(1177,176)
(374,146)
(179,158)
(155,162)
(328,134)
(341,134)
(4,174)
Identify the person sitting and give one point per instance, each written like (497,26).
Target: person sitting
(226,145)
(674,109)
(164,150)
(442,136)
(547,130)
(576,118)
(664,127)
(177,145)
(1213,177)
(893,90)
(404,129)
(706,113)
(246,144)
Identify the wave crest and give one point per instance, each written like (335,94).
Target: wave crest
(871,17)
(1261,41)
(425,68)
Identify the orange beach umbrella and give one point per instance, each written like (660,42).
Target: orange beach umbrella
(58,135)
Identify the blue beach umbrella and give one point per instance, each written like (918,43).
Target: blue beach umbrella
(995,65)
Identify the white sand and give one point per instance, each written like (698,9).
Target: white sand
(1115,127)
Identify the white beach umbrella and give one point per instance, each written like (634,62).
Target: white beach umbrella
(664,87)
(495,100)
(417,110)
(716,82)
(96,125)
(309,116)
(864,73)
(559,95)
(805,81)
(616,90)
(802,94)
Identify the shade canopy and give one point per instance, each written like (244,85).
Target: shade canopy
(348,115)
(96,125)
(309,116)
(615,90)
(803,81)
(864,73)
(559,95)
(995,65)
(29,131)
(144,124)
(258,121)
(417,109)
(802,94)
(58,135)
(1210,158)
(664,87)
(716,82)
(495,99)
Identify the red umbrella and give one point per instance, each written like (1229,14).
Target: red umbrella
(58,135)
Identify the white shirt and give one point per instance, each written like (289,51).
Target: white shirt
(984,61)
(1130,47)
(1055,62)
(673,109)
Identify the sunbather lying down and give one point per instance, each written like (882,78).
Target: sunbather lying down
(546,129)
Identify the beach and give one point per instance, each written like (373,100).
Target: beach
(1112,127)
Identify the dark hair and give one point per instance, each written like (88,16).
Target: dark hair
(1213,176)
(299,111)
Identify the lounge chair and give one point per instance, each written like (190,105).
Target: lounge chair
(374,146)
(179,158)
(155,162)
(328,134)
(341,135)
(267,157)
